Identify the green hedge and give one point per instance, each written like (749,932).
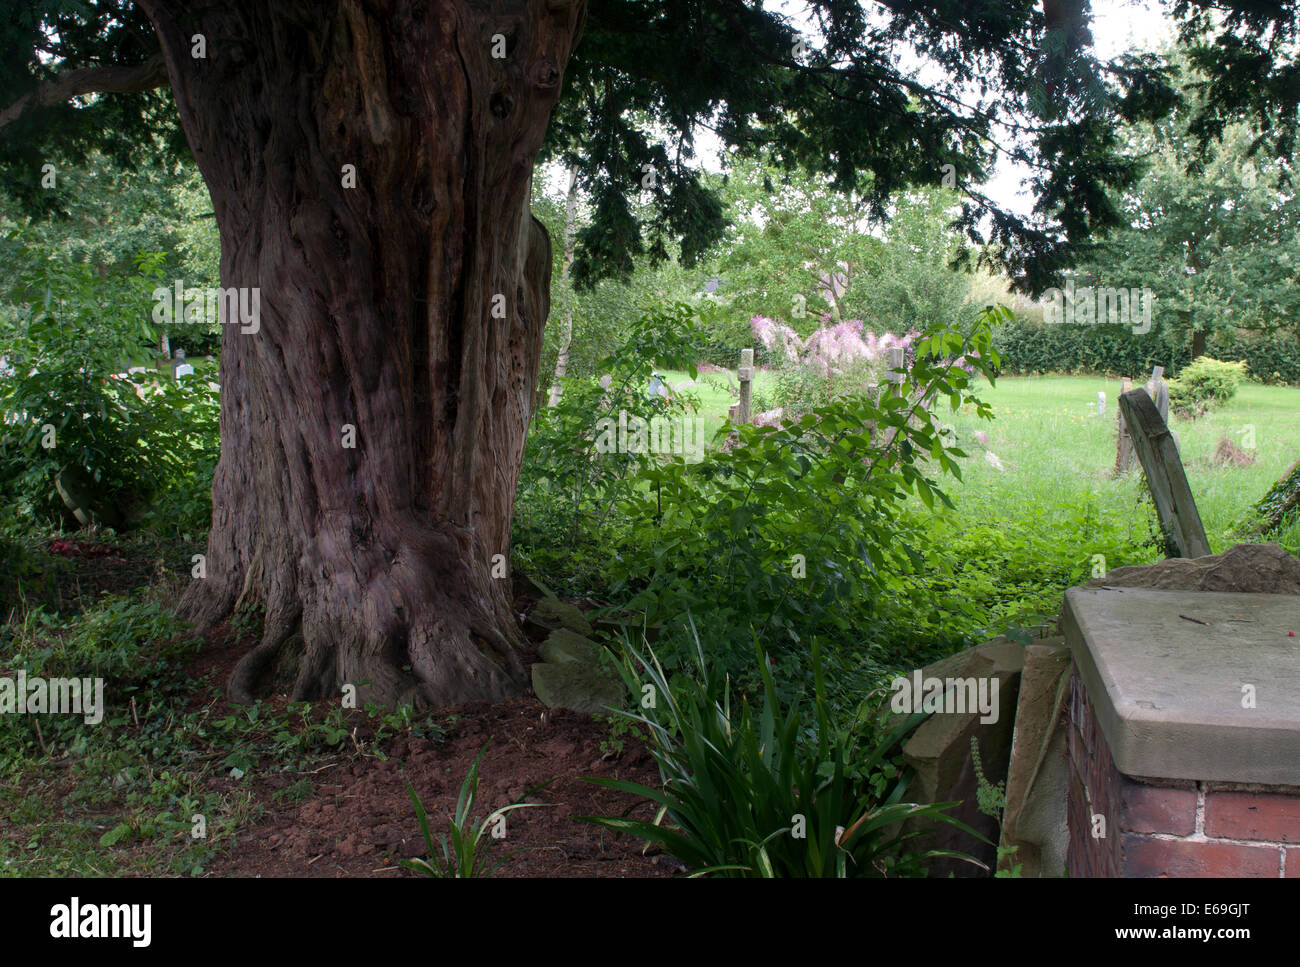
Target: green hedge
(1032,347)
(1274,358)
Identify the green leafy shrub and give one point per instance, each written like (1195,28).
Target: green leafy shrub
(722,336)
(1270,357)
(798,529)
(1028,346)
(1281,505)
(176,454)
(66,404)
(568,491)
(991,799)
(1205,384)
(756,794)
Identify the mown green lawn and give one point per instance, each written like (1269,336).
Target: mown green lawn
(1039,508)
(1052,445)
(1054,449)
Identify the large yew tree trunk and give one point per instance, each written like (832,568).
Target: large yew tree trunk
(374,563)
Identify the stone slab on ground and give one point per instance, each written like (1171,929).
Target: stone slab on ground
(1167,670)
(552,613)
(576,685)
(525,584)
(563,645)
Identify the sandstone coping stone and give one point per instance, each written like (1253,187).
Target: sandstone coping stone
(1165,671)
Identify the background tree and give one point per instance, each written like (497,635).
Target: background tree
(792,234)
(1213,231)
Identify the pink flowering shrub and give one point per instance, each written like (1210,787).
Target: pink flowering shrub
(777,338)
(835,360)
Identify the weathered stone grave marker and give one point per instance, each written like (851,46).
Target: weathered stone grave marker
(179,366)
(1158,390)
(895,379)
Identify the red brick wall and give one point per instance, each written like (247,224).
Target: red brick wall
(1175,828)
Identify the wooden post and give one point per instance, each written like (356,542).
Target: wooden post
(873,394)
(1175,506)
(1123,442)
(893,387)
(895,379)
(744,411)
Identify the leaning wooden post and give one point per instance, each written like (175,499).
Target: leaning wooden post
(746,373)
(1123,442)
(1175,507)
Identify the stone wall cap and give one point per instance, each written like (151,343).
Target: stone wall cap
(1167,671)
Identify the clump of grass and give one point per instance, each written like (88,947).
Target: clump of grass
(463,851)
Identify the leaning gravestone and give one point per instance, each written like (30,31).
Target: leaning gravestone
(1172,495)
(79,494)
(1158,390)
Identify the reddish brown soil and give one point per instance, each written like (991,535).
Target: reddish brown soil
(360,822)
(359,819)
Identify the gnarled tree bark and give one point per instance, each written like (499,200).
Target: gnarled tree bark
(408,307)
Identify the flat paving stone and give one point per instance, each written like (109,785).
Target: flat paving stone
(1167,689)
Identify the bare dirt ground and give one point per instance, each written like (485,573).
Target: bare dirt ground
(361,822)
